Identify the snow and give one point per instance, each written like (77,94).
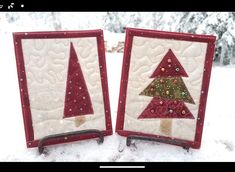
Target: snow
(113,39)
(218,142)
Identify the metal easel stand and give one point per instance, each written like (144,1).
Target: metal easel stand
(136,137)
(65,135)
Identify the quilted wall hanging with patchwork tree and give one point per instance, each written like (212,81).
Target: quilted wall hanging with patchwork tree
(164,86)
(169,93)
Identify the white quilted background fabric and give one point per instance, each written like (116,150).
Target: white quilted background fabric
(146,54)
(46,65)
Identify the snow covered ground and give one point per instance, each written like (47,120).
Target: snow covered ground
(218,142)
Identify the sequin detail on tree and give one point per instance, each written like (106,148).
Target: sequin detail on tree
(168,90)
(169,66)
(160,108)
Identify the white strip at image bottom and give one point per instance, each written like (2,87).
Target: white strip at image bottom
(122,166)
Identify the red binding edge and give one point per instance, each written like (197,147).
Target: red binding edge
(130,33)
(17,37)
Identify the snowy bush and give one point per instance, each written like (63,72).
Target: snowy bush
(220,24)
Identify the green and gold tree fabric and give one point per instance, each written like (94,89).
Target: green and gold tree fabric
(168,90)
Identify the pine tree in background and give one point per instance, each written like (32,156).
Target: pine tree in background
(56,21)
(112,22)
(219,24)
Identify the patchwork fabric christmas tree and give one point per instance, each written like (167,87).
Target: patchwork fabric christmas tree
(77,98)
(168,91)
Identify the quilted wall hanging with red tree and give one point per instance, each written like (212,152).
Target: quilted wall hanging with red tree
(77,98)
(169,93)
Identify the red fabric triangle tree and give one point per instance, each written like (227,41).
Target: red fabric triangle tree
(168,91)
(171,67)
(77,98)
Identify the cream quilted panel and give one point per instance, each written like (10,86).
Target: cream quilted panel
(146,54)
(46,65)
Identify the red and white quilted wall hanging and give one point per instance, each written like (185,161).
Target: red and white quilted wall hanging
(164,86)
(63,84)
